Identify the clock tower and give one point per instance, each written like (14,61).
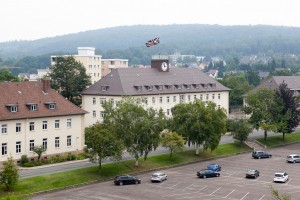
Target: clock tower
(160,62)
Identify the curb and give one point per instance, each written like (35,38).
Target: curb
(54,164)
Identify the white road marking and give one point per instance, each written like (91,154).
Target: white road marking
(215,191)
(229,194)
(244,196)
(262,197)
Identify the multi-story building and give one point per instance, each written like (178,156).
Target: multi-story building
(92,63)
(108,64)
(31,114)
(158,87)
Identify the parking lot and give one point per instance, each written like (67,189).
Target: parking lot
(183,183)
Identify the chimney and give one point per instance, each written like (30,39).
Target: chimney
(46,85)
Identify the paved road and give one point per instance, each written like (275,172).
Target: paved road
(183,183)
(82,164)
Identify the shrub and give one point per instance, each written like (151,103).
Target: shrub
(9,174)
(24,160)
(29,164)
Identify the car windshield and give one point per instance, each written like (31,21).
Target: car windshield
(154,175)
(251,171)
(279,175)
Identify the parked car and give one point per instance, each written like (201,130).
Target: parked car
(214,167)
(206,173)
(126,179)
(158,177)
(261,154)
(281,177)
(293,158)
(252,173)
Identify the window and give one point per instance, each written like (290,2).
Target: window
(201,97)
(189,97)
(14,108)
(112,101)
(31,145)
(69,140)
(45,143)
(18,147)
(4,149)
(31,126)
(56,124)
(146,100)
(51,106)
(219,96)
(94,113)
(33,107)
(56,142)
(213,96)
(102,114)
(18,127)
(103,88)
(219,106)
(4,128)
(174,99)
(207,96)
(153,100)
(160,100)
(195,97)
(94,101)
(181,98)
(102,100)
(69,123)
(168,99)
(45,125)
(168,111)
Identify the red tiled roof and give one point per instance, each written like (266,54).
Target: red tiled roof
(23,94)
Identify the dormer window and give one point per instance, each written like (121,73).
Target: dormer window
(187,86)
(204,85)
(14,108)
(178,87)
(212,85)
(33,107)
(138,88)
(51,106)
(197,86)
(168,86)
(159,87)
(149,87)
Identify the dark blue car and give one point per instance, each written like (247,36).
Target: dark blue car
(214,167)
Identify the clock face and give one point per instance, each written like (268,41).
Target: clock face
(164,66)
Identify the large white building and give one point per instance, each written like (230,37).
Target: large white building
(158,86)
(31,114)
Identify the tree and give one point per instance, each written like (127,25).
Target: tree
(277,196)
(104,143)
(69,78)
(39,150)
(139,128)
(240,130)
(200,123)
(260,106)
(288,115)
(9,174)
(173,142)
(6,75)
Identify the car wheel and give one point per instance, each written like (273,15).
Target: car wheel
(136,182)
(204,176)
(218,175)
(121,183)
(294,161)
(259,157)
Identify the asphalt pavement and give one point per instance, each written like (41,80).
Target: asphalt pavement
(71,165)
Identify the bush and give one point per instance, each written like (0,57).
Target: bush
(71,157)
(9,174)
(29,164)
(24,160)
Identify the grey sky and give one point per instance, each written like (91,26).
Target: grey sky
(34,19)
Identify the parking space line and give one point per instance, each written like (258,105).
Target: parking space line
(214,191)
(262,197)
(170,195)
(229,194)
(244,196)
(288,181)
(188,187)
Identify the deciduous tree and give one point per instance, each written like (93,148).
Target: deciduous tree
(173,142)
(39,150)
(9,174)
(240,130)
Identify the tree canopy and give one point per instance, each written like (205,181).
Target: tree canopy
(69,78)
(173,141)
(6,75)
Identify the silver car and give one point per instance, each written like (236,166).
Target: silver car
(293,158)
(158,177)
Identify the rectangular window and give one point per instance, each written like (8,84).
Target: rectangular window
(18,147)
(45,125)
(219,96)
(207,96)
(4,128)
(4,149)
(168,111)
(102,100)
(160,100)
(69,123)
(189,98)
(33,107)
(94,101)
(94,113)
(213,96)
(102,114)
(201,97)
(56,142)
(146,100)
(195,97)
(31,145)
(181,98)
(174,99)
(112,101)
(45,143)
(168,99)
(69,140)
(56,124)
(52,106)
(31,126)
(14,109)
(18,127)
(153,100)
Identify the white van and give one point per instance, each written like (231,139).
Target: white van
(293,158)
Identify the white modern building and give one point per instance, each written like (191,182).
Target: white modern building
(31,114)
(158,87)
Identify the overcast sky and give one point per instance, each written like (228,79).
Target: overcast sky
(34,19)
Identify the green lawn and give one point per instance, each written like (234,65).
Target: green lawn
(277,140)
(108,171)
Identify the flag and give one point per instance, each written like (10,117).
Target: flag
(152,42)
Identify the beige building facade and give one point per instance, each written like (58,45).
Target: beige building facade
(108,64)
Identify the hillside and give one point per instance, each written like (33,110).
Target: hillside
(210,40)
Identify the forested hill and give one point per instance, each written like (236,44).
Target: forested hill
(209,40)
